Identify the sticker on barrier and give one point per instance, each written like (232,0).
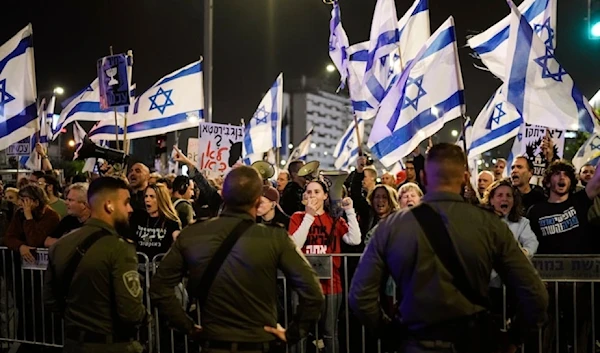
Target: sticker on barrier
(41,260)
(568,268)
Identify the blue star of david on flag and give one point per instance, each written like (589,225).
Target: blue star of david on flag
(595,144)
(420,93)
(161,107)
(539,29)
(519,136)
(349,143)
(5,97)
(544,60)
(497,114)
(261,115)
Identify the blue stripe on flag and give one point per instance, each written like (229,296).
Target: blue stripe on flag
(361,55)
(18,121)
(537,8)
(419,122)
(189,71)
(274,115)
(422,6)
(503,130)
(19,50)
(248,140)
(384,39)
(361,106)
(146,125)
(518,72)
(447,37)
(585,119)
(376,89)
(353,153)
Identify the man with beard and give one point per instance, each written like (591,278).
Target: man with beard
(521,173)
(92,279)
(561,222)
(138,176)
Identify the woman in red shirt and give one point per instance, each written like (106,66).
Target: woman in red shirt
(315,231)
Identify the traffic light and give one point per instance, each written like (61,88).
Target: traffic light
(594,19)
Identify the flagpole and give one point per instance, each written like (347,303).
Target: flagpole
(115,114)
(129,74)
(358,141)
(208,58)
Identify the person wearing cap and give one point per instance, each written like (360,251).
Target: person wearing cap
(269,212)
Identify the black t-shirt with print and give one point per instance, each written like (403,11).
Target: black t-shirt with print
(535,196)
(152,235)
(563,228)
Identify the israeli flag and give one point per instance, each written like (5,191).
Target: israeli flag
(492,45)
(33,160)
(173,103)
(359,94)
(263,131)
(465,133)
(301,151)
(84,106)
(338,43)
(428,94)
(346,150)
(538,86)
(589,152)
(414,31)
(18,109)
(516,148)
(497,123)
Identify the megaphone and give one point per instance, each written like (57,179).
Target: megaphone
(309,170)
(265,169)
(89,149)
(335,182)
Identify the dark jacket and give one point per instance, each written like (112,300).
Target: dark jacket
(365,213)
(243,297)
(291,198)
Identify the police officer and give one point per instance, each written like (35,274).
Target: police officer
(239,313)
(437,314)
(95,285)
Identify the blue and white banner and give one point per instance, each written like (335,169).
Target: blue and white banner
(33,160)
(18,109)
(497,123)
(538,86)
(414,31)
(492,45)
(428,94)
(263,131)
(175,102)
(85,106)
(300,152)
(359,94)
(338,43)
(346,150)
(588,153)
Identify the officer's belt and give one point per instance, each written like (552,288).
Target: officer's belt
(239,346)
(93,337)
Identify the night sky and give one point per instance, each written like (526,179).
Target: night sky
(253,41)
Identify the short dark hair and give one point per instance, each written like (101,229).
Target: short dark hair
(36,193)
(449,158)
(561,166)
(529,162)
(167,182)
(103,185)
(38,174)
(242,188)
(294,167)
(181,183)
(586,165)
(51,180)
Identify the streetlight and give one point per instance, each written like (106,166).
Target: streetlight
(290,146)
(595,30)
(71,143)
(283,162)
(330,68)
(58,91)
(313,145)
(454,133)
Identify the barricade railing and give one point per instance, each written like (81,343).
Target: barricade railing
(571,282)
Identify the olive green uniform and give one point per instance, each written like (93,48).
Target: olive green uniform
(104,304)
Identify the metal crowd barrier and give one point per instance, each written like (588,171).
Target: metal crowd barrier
(571,282)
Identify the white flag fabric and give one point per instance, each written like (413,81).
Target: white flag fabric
(300,152)
(359,94)
(516,148)
(338,43)
(33,161)
(428,94)
(173,103)
(263,131)
(492,45)
(589,152)
(414,31)
(346,150)
(497,123)
(18,109)
(85,106)
(538,86)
